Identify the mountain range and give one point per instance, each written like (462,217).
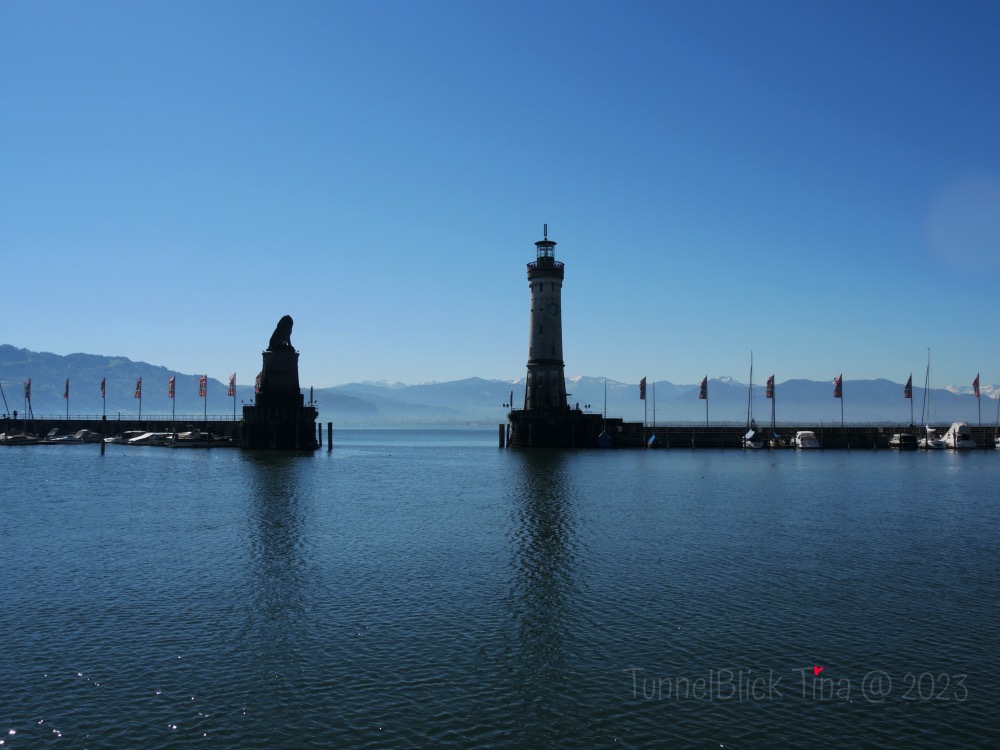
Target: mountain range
(471,400)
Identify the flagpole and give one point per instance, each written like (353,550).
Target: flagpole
(979,406)
(773,394)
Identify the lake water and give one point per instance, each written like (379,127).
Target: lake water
(424,588)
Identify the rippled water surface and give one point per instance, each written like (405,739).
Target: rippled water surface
(423,588)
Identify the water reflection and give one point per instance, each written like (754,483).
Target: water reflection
(277,579)
(543,557)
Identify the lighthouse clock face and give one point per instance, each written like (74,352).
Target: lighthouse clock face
(553,309)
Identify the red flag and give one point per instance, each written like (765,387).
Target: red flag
(838,386)
(908,388)
(975,385)
(138,388)
(704,388)
(66,392)
(170,388)
(256,384)
(770,387)
(202,383)
(642,389)
(27,389)
(232,385)
(102,387)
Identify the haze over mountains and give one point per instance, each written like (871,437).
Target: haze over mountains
(468,401)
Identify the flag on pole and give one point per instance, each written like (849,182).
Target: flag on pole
(27,389)
(256,383)
(908,388)
(642,389)
(975,385)
(102,387)
(838,386)
(138,388)
(202,384)
(770,387)
(704,388)
(66,391)
(170,387)
(232,385)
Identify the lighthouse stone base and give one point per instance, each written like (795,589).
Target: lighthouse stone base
(554,428)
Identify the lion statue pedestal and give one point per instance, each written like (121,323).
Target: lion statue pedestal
(279,420)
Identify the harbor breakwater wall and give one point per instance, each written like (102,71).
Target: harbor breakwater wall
(115,426)
(624,434)
(870,437)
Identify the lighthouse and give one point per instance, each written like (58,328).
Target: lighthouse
(545,386)
(547,421)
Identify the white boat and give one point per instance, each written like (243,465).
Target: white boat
(56,437)
(959,437)
(931,441)
(805,439)
(149,438)
(123,437)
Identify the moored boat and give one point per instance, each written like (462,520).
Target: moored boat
(56,437)
(805,440)
(149,438)
(931,441)
(21,438)
(959,437)
(753,439)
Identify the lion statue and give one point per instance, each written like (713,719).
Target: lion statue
(281,338)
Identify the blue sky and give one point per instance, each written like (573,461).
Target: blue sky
(817,182)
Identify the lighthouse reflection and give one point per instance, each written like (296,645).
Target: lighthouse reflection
(544,549)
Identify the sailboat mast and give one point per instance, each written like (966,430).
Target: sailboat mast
(750,394)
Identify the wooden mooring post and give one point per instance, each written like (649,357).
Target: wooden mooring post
(329,436)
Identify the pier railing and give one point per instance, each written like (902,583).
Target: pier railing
(133,417)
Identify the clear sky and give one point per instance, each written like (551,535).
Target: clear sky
(816,181)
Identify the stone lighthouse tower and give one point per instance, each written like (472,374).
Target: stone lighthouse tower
(546,380)
(547,421)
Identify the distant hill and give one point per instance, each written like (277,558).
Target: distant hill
(468,401)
